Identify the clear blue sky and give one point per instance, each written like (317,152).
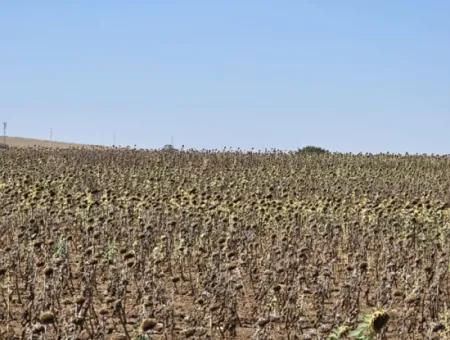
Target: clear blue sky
(346,75)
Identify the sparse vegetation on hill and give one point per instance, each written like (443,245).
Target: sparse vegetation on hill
(29,142)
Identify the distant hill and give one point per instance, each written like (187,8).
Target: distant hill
(29,142)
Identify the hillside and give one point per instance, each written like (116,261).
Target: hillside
(29,142)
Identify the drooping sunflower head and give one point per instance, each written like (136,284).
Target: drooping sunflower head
(379,320)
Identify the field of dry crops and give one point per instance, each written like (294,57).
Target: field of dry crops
(125,244)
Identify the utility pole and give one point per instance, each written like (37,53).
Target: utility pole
(51,135)
(5,124)
(114,138)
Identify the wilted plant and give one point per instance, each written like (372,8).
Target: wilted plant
(60,247)
(338,333)
(111,252)
(216,244)
(371,325)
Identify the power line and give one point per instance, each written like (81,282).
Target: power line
(5,124)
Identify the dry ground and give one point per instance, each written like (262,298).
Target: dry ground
(30,142)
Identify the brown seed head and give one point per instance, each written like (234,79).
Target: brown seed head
(379,321)
(47,318)
(48,271)
(148,324)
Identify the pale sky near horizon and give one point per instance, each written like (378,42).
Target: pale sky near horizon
(349,76)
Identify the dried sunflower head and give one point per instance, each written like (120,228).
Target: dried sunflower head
(379,320)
